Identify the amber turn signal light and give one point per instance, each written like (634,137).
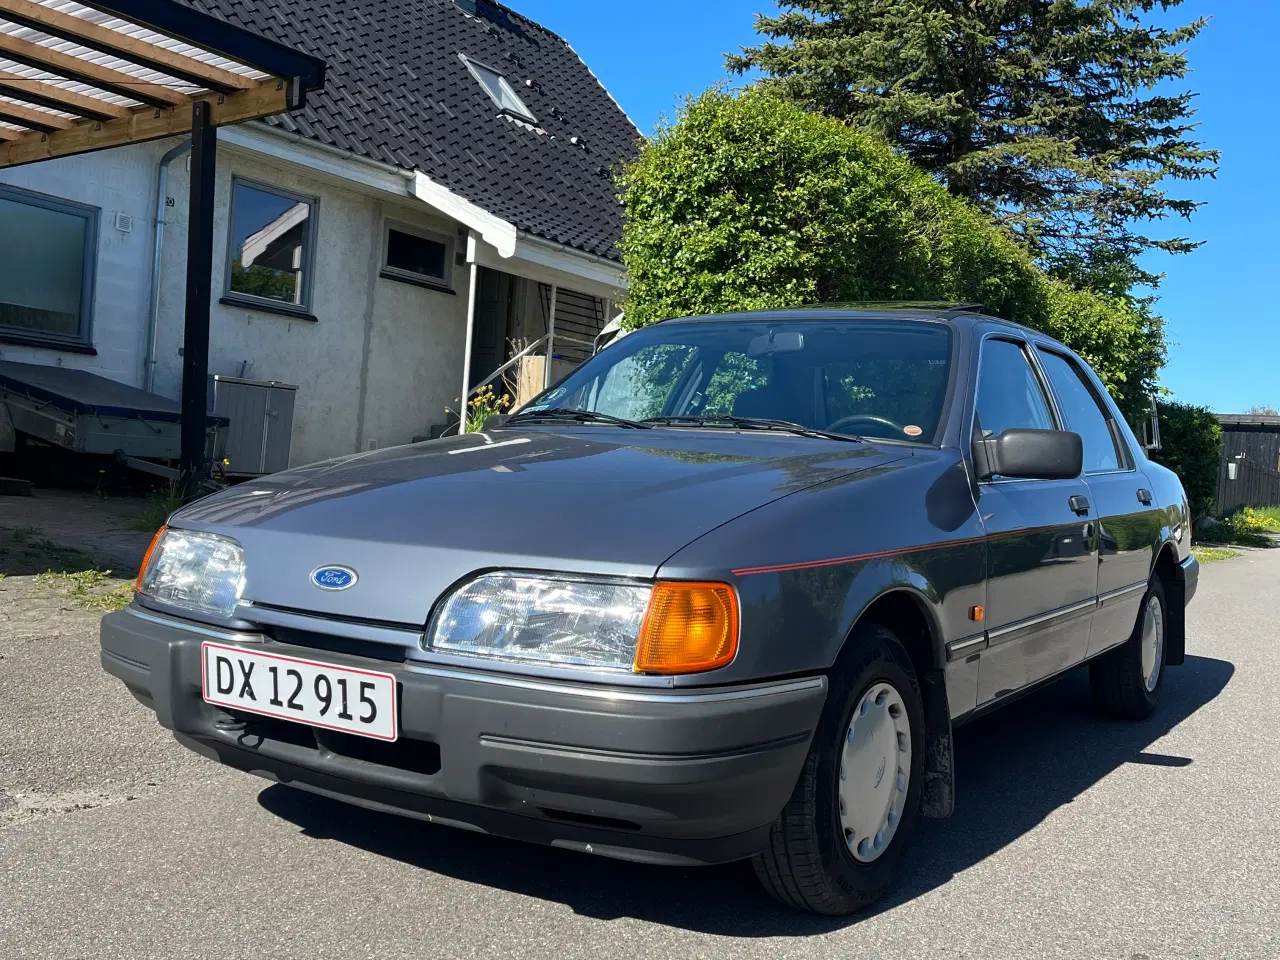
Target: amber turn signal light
(146,559)
(689,627)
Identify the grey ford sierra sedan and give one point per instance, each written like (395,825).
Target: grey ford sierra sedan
(723,592)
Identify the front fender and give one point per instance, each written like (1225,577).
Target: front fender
(807,567)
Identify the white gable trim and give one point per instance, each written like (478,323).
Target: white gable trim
(554,256)
(383,177)
(497,232)
(329,161)
(538,258)
(541,262)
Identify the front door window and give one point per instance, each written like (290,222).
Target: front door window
(1010,395)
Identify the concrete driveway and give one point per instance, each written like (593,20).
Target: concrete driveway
(1073,838)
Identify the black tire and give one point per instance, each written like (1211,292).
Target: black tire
(806,863)
(1116,678)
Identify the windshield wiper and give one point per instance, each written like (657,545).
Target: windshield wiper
(749,423)
(580,416)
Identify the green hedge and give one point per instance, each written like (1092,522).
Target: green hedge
(1191,446)
(747,202)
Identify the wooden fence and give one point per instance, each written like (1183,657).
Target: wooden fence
(1255,485)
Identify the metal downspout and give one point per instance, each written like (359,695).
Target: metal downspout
(153,306)
(551,339)
(466,349)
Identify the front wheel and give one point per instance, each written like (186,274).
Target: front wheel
(837,844)
(1127,681)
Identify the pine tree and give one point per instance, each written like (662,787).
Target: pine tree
(1053,116)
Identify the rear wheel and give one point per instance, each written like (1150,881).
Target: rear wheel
(837,844)
(1127,681)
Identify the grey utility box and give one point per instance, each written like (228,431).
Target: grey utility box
(261,415)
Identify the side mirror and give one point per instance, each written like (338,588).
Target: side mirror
(1029,455)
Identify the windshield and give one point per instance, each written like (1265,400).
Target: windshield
(856,377)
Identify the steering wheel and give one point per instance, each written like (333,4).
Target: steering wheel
(866,418)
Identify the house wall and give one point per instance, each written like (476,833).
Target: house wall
(377,365)
(115,181)
(412,335)
(380,361)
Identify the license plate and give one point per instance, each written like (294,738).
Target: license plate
(305,691)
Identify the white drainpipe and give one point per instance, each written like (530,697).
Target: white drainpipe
(466,348)
(153,309)
(551,339)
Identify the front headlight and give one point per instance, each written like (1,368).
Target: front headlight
(197,571)
(569,621)
(514,616)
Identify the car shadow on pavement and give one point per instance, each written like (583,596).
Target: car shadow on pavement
(1014,768)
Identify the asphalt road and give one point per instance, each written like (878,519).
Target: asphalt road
(1073,837)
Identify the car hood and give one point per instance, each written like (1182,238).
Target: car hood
(413,520)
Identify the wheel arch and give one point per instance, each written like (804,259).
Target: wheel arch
(911,613)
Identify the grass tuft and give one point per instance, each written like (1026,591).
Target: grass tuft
(1247,527)
(1214,554)
(90,589)
(160,505)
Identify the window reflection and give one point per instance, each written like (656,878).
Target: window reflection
(270,235)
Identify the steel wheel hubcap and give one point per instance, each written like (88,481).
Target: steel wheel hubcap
(875,772)
(1152,642)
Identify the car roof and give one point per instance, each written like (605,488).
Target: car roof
(963,315)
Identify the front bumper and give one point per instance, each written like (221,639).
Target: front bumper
(689,776)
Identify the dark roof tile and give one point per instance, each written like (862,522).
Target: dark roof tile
(397,90)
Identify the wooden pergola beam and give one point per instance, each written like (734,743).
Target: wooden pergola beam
(34,119)
(47,95)
(74,68)
(97,37)
(146,123)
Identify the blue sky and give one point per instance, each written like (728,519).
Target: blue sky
(1223,326)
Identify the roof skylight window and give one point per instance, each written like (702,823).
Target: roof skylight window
(498,89)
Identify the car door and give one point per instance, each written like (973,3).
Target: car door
(1129,519)
(1042,564)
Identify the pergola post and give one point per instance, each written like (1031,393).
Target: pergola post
(195,338)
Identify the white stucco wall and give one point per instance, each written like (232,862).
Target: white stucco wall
(383,358)
(114,181)
(412,336)
(416,341)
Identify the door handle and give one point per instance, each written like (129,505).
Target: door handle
(1079,504)
(1144,497)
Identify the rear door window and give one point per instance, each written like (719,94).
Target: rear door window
(1083,413)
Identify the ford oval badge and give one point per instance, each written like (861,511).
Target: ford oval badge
(334,578)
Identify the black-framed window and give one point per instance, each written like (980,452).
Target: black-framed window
(417,255)
(271,246)
(499,90)
(1010,394)
(1084,413)
(48,256)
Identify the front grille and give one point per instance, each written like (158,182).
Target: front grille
(387,652)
